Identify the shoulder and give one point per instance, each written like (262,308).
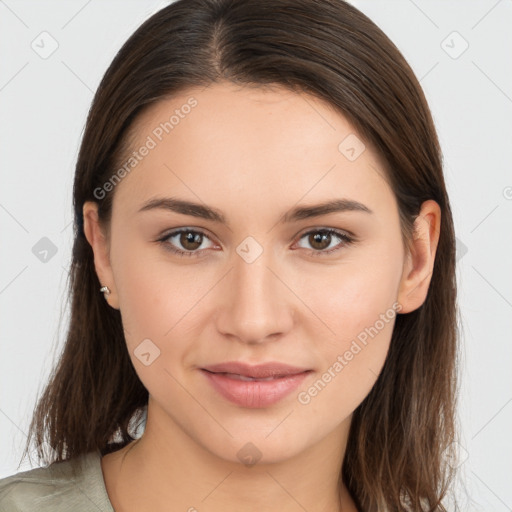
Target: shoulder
(76,484)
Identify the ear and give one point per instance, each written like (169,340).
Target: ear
(100,246)
(419,263)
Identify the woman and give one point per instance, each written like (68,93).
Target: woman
(263,273)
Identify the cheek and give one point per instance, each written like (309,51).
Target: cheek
(352,296)
(351,360)
(156,301)
(357,308)
(163,303)
(154,294)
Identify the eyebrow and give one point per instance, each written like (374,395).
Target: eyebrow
(209,213)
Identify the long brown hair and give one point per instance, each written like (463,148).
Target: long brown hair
(395,458)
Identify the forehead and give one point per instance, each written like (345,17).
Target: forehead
(248,141)
(269,116)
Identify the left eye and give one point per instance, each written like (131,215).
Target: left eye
(321,240)
(191,240)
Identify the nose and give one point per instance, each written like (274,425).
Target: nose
(255,305)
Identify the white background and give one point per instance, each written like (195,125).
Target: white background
(43,106)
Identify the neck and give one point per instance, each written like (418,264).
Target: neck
(168,470)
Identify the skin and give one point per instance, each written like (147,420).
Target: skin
(252,153)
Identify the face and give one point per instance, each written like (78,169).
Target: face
(256,281)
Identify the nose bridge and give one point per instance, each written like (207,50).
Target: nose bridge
(255,304)
(253,281)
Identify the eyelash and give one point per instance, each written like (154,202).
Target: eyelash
(347,240)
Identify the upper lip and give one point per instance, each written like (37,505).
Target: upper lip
(259,371)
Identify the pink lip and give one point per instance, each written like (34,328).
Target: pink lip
(225,379)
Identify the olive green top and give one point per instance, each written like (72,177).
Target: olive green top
(55,489)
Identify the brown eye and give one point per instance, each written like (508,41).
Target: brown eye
(321,241)
(190,240)
(185,242)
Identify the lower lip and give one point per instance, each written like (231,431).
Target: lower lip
(257,393)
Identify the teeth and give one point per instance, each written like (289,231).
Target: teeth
(243,377)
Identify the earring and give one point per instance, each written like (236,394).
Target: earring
(105,290)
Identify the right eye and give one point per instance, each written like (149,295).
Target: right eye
(189,239)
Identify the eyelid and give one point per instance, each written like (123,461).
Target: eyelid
(338,231)
(347,237)
(176,231)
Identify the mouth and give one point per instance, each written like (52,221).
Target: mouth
(272,369)
(254,386)
(236,376)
